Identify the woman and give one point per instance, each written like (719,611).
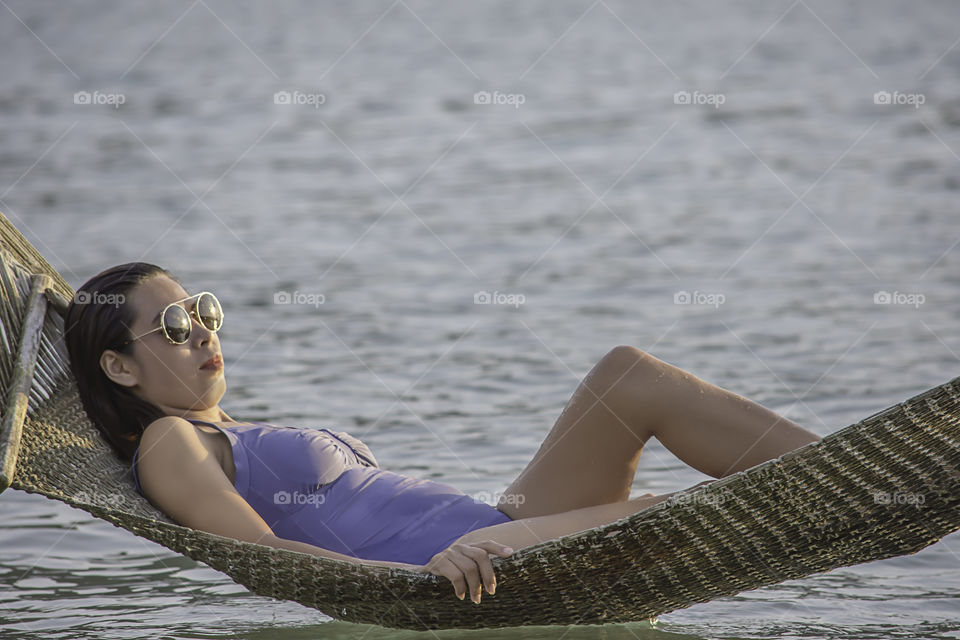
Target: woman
(149,370)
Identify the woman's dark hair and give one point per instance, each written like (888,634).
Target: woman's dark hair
(98,318)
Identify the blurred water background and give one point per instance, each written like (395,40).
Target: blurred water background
(737,188)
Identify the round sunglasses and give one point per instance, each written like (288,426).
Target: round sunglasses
(176,322)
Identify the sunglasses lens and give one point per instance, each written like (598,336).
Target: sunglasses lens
(209,311)
(176,323)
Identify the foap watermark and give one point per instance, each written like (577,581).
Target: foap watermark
(899,297)
(699,97)
(96,297)
(99,97)
(699,297)
(102,498)
(715,498)
(495,498)
(297,497)
(899,98)
(299,297)
(497,98)
(898,497)
(299,97)
(499,297)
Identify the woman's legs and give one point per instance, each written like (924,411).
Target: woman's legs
(590,456)
(525,532)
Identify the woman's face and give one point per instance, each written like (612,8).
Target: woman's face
(168,375)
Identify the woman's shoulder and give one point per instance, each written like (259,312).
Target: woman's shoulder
(162,428)
(167,439)
(171,439)
(165,423)
(175,432)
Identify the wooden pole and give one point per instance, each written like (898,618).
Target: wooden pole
(18,396)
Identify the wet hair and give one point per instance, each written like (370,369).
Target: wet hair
(99,318)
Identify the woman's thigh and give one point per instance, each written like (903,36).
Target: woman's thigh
(590,456)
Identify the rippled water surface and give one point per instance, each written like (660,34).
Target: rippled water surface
(585,191)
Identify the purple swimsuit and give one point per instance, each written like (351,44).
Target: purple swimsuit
(326,489)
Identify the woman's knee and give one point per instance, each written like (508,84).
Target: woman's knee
(624,353)
(625,367)
(626,357)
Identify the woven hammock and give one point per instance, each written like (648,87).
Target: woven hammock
(886,486)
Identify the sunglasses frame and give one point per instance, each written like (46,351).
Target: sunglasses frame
(192,316)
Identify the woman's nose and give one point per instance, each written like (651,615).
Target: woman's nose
(202,332)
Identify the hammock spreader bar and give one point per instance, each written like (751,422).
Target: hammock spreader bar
(15,407)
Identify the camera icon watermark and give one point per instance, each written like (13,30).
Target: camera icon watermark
(299,98)
(699,97)
(95,297)
(699,297)
(97,97)
(299,297)
(499,297)
(899,98)
(898,297)
(497,98)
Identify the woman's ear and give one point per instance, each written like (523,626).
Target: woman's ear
(119,368)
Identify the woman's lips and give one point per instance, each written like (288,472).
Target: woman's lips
(214,363)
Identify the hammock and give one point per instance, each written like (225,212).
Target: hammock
(886,486)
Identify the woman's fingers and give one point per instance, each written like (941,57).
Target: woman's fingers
(481,554)
(465,558)
(440,565)
(482,568)
(494,547)
(453,565)
(468,567)
(448,569)
(478,570)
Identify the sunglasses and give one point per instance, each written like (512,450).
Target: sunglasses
(176,322)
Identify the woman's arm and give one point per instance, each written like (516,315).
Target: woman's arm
(271,540)
(467,566)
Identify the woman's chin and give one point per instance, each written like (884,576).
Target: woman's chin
(214,386)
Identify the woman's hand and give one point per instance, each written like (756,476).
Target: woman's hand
(466,565)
